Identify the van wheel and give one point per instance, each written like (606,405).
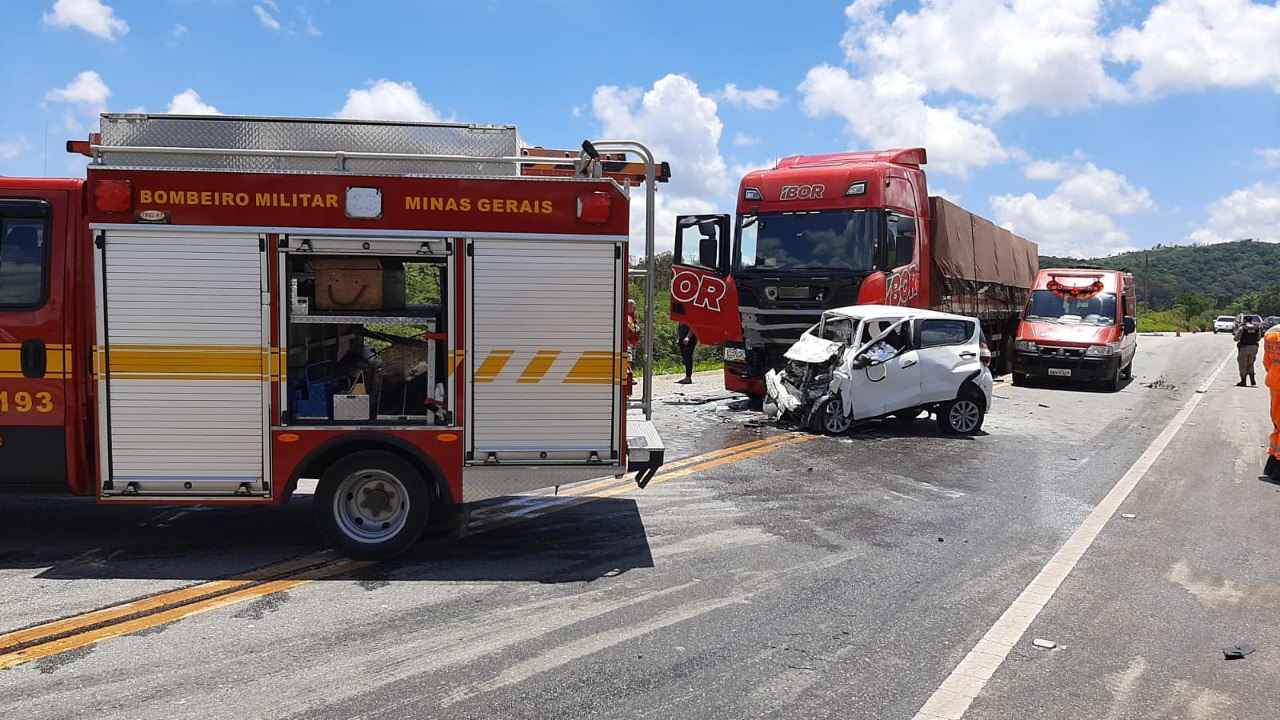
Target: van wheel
(1019,379)
(372,505)
(1128,371)
(1112,384)
(828,417)
(962,416)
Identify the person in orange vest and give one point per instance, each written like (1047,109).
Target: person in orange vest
(1271,362)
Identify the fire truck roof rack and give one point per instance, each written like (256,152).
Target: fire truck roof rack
(324,145)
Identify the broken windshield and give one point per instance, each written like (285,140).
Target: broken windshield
(818,240)
(1048,306)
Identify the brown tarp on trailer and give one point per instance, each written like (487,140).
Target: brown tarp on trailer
(969,247)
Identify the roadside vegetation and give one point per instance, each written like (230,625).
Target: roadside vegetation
(666,356)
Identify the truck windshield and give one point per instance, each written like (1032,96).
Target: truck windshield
(819,240)
(1048,306)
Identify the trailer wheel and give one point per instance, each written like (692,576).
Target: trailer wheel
(372,505)
(962,416)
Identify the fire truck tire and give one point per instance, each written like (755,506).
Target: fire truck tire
(372,505)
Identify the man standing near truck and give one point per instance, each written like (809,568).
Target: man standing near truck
(1247,336)
(1271,363)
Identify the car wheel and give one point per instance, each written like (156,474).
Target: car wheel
(828,417)
(962,416)
(372,505)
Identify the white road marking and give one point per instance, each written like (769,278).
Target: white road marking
(952,699)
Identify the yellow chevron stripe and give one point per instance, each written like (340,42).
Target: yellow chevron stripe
(492,365)
(538,366)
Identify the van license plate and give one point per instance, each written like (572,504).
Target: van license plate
(1059,372)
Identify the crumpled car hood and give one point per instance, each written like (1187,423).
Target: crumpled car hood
(812,349)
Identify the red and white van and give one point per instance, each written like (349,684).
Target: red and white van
(1079,324)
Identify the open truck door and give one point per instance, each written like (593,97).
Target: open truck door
(703,295)
(34,358)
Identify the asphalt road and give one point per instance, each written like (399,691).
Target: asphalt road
(792,576)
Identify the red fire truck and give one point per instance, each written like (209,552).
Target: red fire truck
(824,231)
(416,315)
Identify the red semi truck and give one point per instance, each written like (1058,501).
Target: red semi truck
(225,306)
(825,231)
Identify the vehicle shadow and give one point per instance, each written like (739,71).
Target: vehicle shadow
(1074,386)
(576,541)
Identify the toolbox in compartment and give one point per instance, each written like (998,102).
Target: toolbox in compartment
(357,283)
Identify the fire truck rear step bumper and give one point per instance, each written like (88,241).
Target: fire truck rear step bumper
(645,451)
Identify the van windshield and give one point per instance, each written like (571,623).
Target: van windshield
(1048,306)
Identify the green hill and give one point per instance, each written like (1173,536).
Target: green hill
(1222,274)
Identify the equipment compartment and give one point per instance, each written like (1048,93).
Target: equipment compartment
(365,340)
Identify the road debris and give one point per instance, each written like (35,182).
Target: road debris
(1042,643)
(1161,383)
(1128,516)
(1237,651)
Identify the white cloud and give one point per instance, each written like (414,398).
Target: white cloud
(761,98)
(889,111)
(89,15)
(188,102)
(1253,212)
(744,140)
(1007,54)
(676,121)
(87,91)
(1076,219)
(1194,44)
(9,149)
(267,19)
(1270,156)
(388,100)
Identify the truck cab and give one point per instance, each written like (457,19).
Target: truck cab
(813,233)
(1079,324)
(42,444)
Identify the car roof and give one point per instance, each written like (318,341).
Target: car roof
(861,312)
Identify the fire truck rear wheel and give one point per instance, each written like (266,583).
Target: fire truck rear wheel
(372,505)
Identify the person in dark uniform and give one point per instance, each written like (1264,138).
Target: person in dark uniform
(688,342)
(1247,337)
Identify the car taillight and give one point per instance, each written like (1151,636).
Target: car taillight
(984,353)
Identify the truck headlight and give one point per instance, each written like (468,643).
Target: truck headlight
(1025,346)
(735,354)
(1103,350)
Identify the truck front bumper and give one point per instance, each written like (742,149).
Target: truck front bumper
(1066,368)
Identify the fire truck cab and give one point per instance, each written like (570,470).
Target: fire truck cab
(400,311)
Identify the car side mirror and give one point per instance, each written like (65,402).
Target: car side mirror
(1130,324)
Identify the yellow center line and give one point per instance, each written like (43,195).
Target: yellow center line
(49,630)
(165,617)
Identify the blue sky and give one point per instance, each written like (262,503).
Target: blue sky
(1090,127)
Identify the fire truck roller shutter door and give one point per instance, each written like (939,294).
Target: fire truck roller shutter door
(185,363)
(545,354)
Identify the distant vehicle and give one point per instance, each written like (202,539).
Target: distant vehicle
(874,361)
(1269,322)
(1224,323)
(1246,318)
(1079,325)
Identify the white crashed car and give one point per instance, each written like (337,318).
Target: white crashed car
(875,361)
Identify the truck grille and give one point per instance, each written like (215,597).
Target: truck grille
(1061,352)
